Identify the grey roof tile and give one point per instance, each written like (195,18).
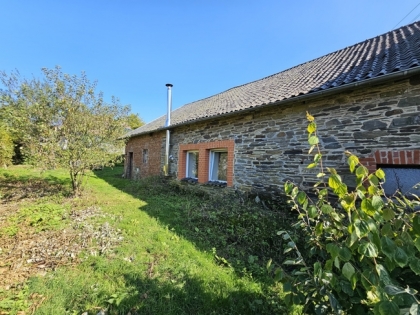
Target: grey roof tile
(397,50)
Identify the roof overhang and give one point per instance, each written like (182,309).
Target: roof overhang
(305,97)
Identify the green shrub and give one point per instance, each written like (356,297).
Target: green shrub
(359,250)
(6,147)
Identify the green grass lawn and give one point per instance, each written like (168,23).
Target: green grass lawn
(184,251)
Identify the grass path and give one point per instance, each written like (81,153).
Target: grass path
(154,270)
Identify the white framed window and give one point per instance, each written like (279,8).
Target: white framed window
(192,164)
(218,165)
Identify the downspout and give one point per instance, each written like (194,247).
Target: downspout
(168,133)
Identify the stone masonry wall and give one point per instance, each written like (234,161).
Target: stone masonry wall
(154,143)
(271,144)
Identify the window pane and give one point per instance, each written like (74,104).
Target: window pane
(402,179)
(218,166)
(192,164)
(222,169)
(145,155)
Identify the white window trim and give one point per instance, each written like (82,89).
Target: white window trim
(211,164)
(188,163)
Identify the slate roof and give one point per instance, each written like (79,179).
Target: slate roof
(392,52)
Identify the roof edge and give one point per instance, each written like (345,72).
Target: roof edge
(331,91)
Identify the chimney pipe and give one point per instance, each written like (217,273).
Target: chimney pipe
(168,133)
(168,115)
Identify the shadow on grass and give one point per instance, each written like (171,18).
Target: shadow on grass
(243,233)
(18,187)
(188,296)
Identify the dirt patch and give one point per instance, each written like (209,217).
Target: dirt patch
(29,252)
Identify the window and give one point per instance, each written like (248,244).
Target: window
(192,164)
(145,156)
(404,179)
(218,166)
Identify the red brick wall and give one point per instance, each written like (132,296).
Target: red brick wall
(203,159)
(390,157)
(151,142)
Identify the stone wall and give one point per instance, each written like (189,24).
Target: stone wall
(271,144)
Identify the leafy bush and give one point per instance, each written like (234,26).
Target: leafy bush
(6,147)
(359,250)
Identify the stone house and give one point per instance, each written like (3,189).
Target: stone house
(365,99)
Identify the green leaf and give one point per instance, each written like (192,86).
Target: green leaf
(361,171)
(353,237)
(383,274)
(335,216)
(319,229)
(400,257)
(393,290)
(335,305)
(313,140)
(362,228)
(352,161)
(348,270)
(353,281)
(341,190)
(368,249)
(332,249)
(388,246)
(377,203)
(388,308)
(287,287)
(309,117)
(312,212)
(288,187)
(334,181)
(312,165)
(380,174)
(367,207)
(301,197)
(317,157)
(417,243)
(405,236)
(326,208)
(312,127)
(373,180)
(279,274)
(337,262)
(416,225)
(344,254)
(387,230)
(415,265)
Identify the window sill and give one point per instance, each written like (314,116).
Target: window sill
(216,183)
(190,180)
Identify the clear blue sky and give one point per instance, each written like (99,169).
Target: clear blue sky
(133,48)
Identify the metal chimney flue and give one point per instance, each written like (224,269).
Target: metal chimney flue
(168,133)
(168,115)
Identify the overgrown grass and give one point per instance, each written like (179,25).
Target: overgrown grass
(185,251)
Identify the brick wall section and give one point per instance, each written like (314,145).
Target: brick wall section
(390,157)
(203,158)
(153,143)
